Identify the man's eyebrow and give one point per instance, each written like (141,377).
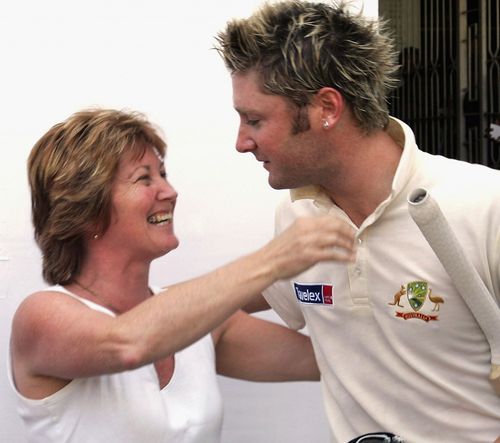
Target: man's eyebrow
(244,111)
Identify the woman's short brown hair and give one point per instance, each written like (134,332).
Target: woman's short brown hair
(71,171)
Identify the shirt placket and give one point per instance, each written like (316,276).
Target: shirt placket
(357,273)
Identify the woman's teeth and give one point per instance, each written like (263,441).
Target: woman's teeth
(157,219)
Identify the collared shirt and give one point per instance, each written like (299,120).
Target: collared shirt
(398,348)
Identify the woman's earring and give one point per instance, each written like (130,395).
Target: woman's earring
(96,236)
(325,124)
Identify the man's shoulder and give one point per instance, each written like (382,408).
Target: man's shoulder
(460,175)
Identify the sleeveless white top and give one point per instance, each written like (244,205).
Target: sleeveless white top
(129,407)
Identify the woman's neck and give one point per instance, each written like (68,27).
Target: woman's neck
(120,286)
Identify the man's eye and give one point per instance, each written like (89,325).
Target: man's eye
(253,122)
(163,174)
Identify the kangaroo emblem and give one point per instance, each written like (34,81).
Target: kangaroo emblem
(397,297)
(436,299)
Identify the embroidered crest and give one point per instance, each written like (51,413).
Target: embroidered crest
(419,302)
(416,291)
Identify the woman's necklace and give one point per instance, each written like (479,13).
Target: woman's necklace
(96,295)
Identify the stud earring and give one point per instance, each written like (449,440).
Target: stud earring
(325,124)
(96,236)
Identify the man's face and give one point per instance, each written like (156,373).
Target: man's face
(267,130)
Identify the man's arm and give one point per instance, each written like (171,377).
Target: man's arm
(253,349)
(256,304)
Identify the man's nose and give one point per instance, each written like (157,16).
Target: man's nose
(244,143)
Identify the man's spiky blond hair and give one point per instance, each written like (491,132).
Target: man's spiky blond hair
(299,47)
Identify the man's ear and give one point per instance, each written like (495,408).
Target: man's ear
(330,105)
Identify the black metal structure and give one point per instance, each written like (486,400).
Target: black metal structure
(450,74)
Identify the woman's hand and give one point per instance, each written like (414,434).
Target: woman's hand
(308,241)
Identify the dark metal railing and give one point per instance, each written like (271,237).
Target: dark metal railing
(450,70)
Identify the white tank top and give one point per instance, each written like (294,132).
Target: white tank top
(129,407)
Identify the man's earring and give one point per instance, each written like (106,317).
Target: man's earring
(325,124)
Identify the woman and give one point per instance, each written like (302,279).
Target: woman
(96,357)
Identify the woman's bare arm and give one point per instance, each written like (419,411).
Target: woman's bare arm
(54,335)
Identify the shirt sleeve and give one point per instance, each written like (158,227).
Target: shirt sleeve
(281,298)
(280,295)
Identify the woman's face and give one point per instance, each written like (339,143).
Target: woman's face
(143,203)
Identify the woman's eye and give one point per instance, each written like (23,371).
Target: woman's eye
(144,177)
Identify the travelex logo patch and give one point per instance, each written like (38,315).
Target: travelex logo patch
(314,293)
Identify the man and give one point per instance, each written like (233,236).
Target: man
(398,349)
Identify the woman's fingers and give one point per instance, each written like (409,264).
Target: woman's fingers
(310,240)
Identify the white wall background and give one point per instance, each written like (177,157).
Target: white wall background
(155,56)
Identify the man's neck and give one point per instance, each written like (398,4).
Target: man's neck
(368,166)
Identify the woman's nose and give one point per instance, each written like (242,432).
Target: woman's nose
(167,191)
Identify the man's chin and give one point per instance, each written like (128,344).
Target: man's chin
(275,185)
(278,184)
